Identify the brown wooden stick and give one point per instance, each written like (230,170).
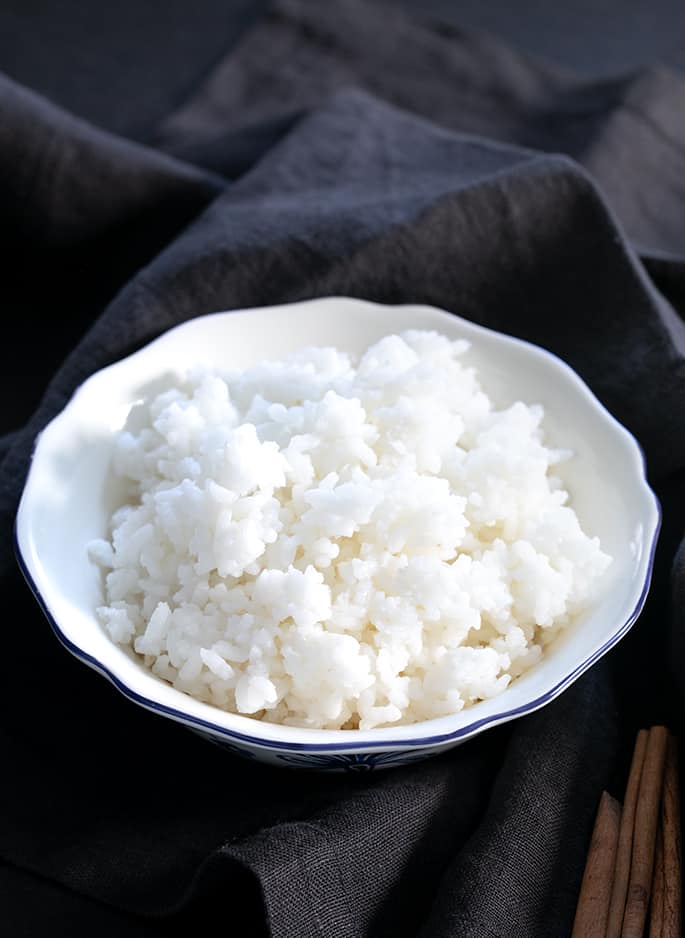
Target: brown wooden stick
(595,890)
(670,823)
(644,835)
(625,840)
(656,906)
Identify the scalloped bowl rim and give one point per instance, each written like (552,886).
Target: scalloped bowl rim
(246,731)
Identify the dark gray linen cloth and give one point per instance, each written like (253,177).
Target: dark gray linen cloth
(288,177)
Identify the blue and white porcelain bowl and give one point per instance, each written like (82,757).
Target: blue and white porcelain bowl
(70,494)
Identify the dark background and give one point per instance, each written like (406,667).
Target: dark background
(126,65)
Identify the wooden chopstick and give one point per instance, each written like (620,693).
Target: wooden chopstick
(656,910)
(595,890)
(644,835)
(670,828)
(625,840)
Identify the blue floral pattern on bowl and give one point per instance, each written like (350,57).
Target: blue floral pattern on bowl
(327,762)
(241,751)
(353,762)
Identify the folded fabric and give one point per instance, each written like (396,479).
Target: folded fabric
(628,132)
(354,197)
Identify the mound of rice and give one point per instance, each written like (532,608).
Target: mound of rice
(333,544)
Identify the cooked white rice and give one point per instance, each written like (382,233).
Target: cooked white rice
(333,544)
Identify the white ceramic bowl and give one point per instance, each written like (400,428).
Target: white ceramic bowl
(69,496)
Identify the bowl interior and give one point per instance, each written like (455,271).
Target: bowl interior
(71,492)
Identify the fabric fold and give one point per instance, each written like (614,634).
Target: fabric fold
(626,131)
(82,211)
